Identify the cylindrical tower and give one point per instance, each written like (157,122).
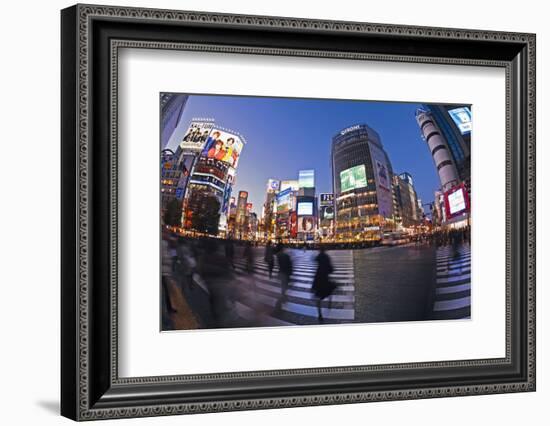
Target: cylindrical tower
(443,161)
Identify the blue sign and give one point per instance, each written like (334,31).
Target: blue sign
(179,193)
(462,118)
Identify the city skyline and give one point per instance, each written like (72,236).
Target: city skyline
(272,127)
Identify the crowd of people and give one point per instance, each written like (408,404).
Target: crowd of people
(209,263)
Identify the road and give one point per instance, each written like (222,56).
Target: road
(381,284)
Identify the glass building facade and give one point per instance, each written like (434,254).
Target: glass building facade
(362,184)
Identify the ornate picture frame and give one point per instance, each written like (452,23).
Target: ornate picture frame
(91,37)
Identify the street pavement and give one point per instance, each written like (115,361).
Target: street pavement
(381,284)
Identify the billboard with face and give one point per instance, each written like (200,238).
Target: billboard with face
(383,180)
(353,178)
(306,224)
(223,146)
(196,136)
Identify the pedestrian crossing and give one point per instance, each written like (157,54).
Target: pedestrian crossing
(299,306)
(453,283)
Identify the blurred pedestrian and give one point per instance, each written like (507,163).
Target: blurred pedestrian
(166,278)
(285,271)
(269,257)
(187,262)
(230,252)
(322,286)
(249,257)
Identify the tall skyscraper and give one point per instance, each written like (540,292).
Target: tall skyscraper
(441,152)
(362,182)
(171,110)
(453,125)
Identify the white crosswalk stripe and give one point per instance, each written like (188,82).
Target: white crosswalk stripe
(453,283)
(299,305)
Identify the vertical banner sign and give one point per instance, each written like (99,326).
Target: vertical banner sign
(383,181)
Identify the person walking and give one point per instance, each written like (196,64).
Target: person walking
(322,286)
(230,252)
(285,271)
(249,257)
(269,257)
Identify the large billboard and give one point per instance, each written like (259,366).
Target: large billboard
(306,178)
(353,178)
(305,208)
(462,117)
(223,146)
(456,201)
(382,179)
(284,201)
(306,224)
(292,184)
(196,136)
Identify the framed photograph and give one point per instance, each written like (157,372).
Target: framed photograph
(263,212)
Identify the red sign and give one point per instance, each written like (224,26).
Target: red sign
(293,225)
(457,201)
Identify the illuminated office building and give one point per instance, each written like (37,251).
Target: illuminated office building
(409,211)
(362,184)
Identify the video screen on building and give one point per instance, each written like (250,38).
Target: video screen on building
(196,136)
(353,178)
(306,224)
(305,208)
(463,119)
(284,201)
(306,178)
(457,202)
(327,212)
(223,146)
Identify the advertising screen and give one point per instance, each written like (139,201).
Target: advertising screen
(326,199)
(327,212)
(223,146)
(293,225)
(457,202)
(353,178)
(292,184)
(284,201)
(196,136)
(306,178)
(383,180)
(305,208)
(306,224)
(462,118)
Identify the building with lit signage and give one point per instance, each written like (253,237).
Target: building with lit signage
(362,178)
(447,132)
(409,211)
(212,154)
(455,125)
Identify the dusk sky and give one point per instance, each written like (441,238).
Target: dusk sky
(285,135)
